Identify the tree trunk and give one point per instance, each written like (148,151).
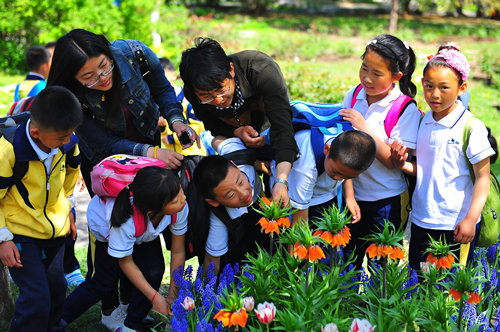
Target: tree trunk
(393,22)
(5,295)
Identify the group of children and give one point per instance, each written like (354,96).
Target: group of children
(369,163)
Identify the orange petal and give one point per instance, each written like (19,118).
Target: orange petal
(372,250)
(474,298)
(224,317)
(315,252)
(272,227)
(239,318)
(285,221)
(398,253)
(456,294)
(263,222)
(318,233)
(432,259)
(266,201)
(300,251)
(328,237)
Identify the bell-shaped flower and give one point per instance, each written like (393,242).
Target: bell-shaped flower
(265,312)
(228,318)
(248,303)
(361,325)
(188,303)
(330,327)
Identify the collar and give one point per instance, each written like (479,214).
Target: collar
(451,119)
(391,96)
(238,102)
(34,76)
(42,155)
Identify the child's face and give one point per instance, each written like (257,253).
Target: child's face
(175,205)
(441,90)
(171,75)
(338,171)
(234,191)
(47,140)
(376,77)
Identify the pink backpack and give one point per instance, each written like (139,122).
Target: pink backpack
(113,173)
(397,108)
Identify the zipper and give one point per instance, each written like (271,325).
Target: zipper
(47,184)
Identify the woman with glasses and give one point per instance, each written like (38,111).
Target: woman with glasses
(122,98)
(240,95)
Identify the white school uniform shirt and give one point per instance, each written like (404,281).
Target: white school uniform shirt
(121,240)
(306,188)
(217,240)
(379,182)
(443,193)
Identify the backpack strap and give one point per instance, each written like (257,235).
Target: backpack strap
(138,51)
(242,157)
(397,109)
(465,144)
(139,221)
(355,95)
(20,166)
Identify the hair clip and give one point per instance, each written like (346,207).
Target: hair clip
(452,44)
(430,56)
(406,45)
(371,42)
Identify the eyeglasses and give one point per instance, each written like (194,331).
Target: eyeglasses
(105,72)
(220,95)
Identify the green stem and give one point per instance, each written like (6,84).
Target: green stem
(271,245)
(384,286)
(331,258)
(307,274)
(460,313)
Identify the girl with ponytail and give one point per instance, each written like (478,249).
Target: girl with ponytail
(126,230)
(385,74)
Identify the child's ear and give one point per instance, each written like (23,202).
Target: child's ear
(34,131)
(462,88)
(397,77)
(326,149)
(212,202)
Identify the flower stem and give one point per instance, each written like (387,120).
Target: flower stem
(271,244)
(384,285)
(460,313)
(331,258)
(307,274)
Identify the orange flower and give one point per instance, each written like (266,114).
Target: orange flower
(445,261)
(266,201)
(300,251)
(456,294)
(315,253)
(229,318)
(376,250)
(270,226)
(372,250)
(397,253)
(284,221)
(335,240)
(473,298)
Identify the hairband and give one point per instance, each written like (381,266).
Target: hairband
(374,41)
(455,60)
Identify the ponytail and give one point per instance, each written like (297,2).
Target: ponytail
(122,210)
(152,188)
(405,84)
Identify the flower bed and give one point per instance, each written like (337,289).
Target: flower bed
(302,292)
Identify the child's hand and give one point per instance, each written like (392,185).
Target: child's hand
(9,254)
(399,154)
(72,226)
(465,231)
(355,118)
(353,207)
(160,305)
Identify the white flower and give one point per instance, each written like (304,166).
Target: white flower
(331,327)
(248,303)
(361,325)
(188,303)
(265,312)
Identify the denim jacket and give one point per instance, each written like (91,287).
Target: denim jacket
(146,98)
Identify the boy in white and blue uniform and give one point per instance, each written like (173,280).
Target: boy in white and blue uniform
(313,187)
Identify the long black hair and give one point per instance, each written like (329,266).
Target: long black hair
(400,56)
(152,188)
(70,55)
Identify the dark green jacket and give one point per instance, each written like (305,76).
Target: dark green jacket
(267,104)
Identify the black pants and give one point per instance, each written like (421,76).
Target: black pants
(103,277)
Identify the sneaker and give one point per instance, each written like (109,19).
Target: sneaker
(74,278)
(122,310)
(115,320)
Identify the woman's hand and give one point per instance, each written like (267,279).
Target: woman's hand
(249,136)
(178,127)
(171,158)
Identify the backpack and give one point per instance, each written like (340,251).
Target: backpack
(8,127)
(199,210)
(490,223)
(21,106)
(113,173)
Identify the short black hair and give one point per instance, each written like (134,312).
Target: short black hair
(56,108)
(355,149)
(166,64)
(205,66)
(209,173)
(36,56)
(51,44)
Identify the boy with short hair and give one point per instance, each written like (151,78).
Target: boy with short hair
(39,169)
(232,188)
(38,59)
